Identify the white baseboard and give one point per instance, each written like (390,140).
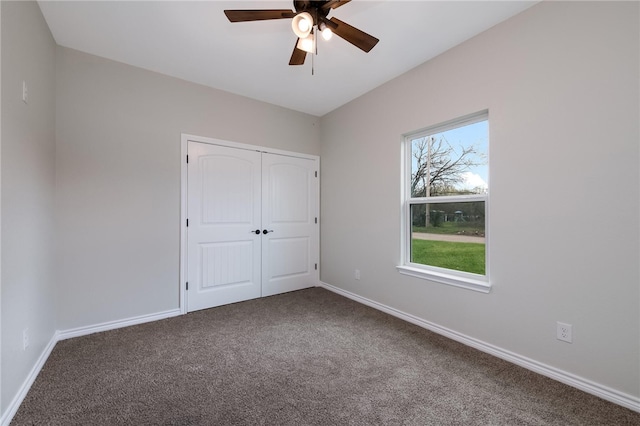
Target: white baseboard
(604,392)
(12,409)
(112,325)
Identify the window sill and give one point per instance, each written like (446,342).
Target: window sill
(444,278)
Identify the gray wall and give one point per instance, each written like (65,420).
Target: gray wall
(91,184)
(90,173)
(118,179)
(561,84)
(28,175)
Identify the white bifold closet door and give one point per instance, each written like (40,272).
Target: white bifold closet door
(252,228)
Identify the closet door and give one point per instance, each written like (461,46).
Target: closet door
(224,209)
(289,215)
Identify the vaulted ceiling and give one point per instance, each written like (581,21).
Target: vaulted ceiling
(194,41)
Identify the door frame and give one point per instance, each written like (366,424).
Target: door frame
(184,144)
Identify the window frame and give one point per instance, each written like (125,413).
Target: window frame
(452,277)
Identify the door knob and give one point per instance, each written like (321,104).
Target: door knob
(257,232)
(266,232)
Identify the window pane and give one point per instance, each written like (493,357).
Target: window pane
(452,162)
(449,235)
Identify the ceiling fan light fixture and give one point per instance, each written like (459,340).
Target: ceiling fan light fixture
(327,33)
(306,44)
(302,24)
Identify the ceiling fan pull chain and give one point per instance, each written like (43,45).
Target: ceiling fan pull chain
(315,52)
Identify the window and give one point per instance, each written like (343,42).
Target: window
(445,197)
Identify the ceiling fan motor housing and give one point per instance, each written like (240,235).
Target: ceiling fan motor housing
(312,7)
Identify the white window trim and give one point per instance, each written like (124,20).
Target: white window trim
(445,277)
(467,280)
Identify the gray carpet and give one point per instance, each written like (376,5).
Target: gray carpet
(304,358)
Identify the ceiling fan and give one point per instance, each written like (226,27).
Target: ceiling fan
(309,17)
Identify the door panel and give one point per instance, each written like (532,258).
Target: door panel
(224,208)
(228,191)
(288,257)
(289,251)
(288,190)
(220,263)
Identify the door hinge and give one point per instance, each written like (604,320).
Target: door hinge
(316,173)
(187,223)
(187,159)
(187,285)
(316,266)
(316,220)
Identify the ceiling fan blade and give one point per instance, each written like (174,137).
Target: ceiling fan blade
(351,34)
(333,4)
(258,15)
(298,56)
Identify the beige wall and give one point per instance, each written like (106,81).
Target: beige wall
(90,182)
(118,179)
(28,175)
(560,82)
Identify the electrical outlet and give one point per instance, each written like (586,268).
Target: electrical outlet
(564,332)
(357,274)
(25,92)
(25,339)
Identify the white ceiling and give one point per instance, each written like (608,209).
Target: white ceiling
(194,41)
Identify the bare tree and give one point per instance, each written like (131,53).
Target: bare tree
(439,166)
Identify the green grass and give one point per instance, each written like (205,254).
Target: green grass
(467,257)
(452,228)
